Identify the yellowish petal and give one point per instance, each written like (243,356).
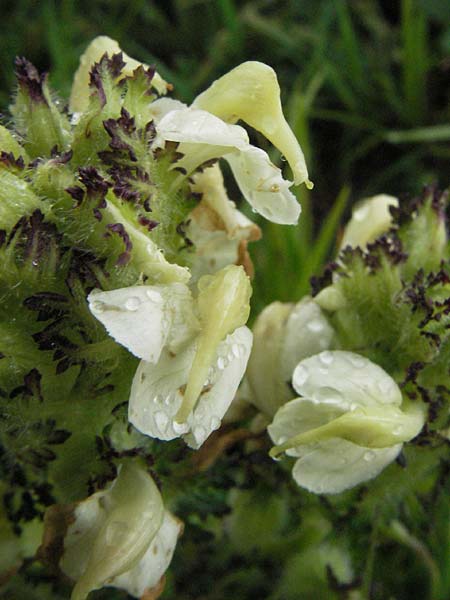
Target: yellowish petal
(79,96)
(251,92)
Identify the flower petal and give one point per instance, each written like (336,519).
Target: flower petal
(224,377)
(218,230)
(223,304)
(307,332)
(351,377)
(200,127)
(251,92)
(160,107)
(154,563)
(263,186)
(203,137)
(112,530)
(334,465)
(301,415)
(157,390)
(370,219)
(266,389)
(79,96)
(145,318)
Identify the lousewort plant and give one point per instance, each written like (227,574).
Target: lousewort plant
(125,293)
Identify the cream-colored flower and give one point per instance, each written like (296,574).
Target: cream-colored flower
(120,537)
(194,351)
(370,219)
(284,334)
(348,425)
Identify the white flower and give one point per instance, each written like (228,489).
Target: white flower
(219,231)
(348,425)
(203,136)
(284,334)
(370,219)
(251,93)
(194,351)
(120,537)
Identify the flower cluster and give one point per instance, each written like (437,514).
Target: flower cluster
(119,242)
(342,348)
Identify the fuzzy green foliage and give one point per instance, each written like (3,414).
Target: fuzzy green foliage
(66,192)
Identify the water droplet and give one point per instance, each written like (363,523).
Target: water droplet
(357,361)
(132,303)
(301,374)
(386,386)
(315,326)
(115,532)
(369,456)
(235,349)
(168,400)
(199,433)
(180,428)
(161,421)
(221,363)
(98,306)
(157,399)
(360,214)
(214,423)
(153,295)
(330,396)
(199,412)
(326,357)
(398,430)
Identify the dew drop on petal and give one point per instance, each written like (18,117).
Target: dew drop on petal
(152,295)
(315,326)
(132,303)
(161,421)
(360,214)
(369,456)
(180,428)
(385,386)
(236,350)
(199,412)
(398,430)
(199,433)
(114,531)
(221,363)
(214,423)
(357,361)
(326,357)
(98,306)
(301,374)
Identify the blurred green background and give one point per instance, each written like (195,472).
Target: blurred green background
(365,87)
